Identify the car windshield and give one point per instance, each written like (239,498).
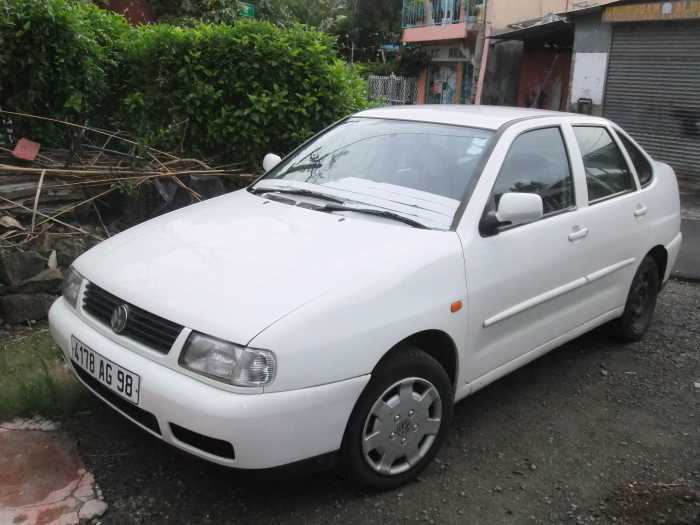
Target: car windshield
(420,170)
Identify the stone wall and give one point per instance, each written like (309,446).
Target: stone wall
(30,280)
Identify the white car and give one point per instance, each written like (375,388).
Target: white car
(394,264)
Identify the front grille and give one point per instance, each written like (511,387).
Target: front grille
(142,326)
(140,415)
(217,447)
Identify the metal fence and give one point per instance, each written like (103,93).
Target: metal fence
(417,13)
(393,90)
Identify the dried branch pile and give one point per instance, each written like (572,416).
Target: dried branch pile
(38,195)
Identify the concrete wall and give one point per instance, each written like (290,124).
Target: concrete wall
(501,13)
(590,59)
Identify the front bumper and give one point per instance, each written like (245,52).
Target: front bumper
(265,430)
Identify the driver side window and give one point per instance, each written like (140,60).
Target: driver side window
(537,162)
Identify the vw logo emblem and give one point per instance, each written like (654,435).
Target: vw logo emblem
(120,315)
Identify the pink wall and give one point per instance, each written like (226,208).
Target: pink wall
(433,33)
(544,72)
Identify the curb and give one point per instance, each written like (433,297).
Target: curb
(685,278)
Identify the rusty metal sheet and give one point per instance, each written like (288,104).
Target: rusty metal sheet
(677,10)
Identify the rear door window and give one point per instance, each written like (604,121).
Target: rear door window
(641,164)
(607,173)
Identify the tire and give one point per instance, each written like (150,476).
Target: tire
(407,407)
(641,302)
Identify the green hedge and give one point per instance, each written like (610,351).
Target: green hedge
(58,58)
(235,91)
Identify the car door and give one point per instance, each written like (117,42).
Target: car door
(614,216)
(524,282)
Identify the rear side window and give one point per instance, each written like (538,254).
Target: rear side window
(607,173)
(641,164)
(537,163)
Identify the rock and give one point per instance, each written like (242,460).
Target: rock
(17,308)
(19,266)
(92,509)
(69,249)
(47,281)
(10,223)
(53,260)
(3,289)
(206,186)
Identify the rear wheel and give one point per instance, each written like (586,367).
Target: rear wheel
(641,302)
(399,422)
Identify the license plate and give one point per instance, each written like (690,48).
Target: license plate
(115,377)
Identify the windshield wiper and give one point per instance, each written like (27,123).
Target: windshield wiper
(300,191)
(379,213)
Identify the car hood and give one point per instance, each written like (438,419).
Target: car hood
(232,266)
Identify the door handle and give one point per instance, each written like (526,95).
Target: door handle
(640,210)
(577,233)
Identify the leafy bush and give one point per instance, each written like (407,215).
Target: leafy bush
(236,91)
(241,89)
(58,58)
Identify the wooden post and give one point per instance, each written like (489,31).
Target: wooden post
(458,81)
(482,66)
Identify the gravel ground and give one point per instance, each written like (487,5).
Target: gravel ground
(595,432)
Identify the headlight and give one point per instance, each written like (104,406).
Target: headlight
(228,362)
(71,286)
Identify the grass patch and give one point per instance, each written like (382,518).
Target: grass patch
(34,379)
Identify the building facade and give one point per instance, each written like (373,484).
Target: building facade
(449,33)
(636,62)
(639,64)
(465,65)
(506,58)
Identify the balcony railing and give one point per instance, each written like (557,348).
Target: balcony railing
(421,13)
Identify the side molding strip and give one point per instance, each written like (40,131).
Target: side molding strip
(556,292)
(538,299)
(607,271)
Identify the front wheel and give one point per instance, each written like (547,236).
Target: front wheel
(399,422)
(641,302)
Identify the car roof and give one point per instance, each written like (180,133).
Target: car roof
(487,117)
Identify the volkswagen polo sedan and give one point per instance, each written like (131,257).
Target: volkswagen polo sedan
(395,263)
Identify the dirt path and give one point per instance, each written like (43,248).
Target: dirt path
(595,432)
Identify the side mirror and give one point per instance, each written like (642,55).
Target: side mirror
(519,208)
(270,161)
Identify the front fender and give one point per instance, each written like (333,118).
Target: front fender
(346,331)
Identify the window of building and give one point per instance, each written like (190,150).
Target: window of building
(607,173)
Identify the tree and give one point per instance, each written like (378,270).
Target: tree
(321,14)
(189,11)
(368,26)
